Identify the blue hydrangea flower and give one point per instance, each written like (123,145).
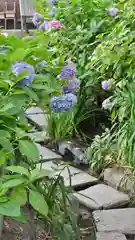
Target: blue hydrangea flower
(52,12)
(36,19)
(44,26)
(41,64)
(72,86)
(52,2)
(107,84)
(104,85)
(113,12)
(63,103)
(20,67)
(67,73)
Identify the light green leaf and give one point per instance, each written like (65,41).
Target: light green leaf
(18,169)
(4,134)
(13,183)
(6,144)
(29,149)
(38,202)
(39,173)
(19,195)
(10,209)
(31,94)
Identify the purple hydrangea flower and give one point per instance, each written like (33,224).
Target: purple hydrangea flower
(36,19)
(72,86)
(44,26)
(20,67)
(52,2)
(41,64)
(52,12)
(113,12)
(63,103)
(67,73)
(105,85)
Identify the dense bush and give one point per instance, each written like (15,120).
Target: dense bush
(28,70)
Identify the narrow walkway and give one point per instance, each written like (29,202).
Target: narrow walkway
(113,220)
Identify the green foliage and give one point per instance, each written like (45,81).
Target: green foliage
(19,179)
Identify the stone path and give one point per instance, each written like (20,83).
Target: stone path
(36,115)
(110,236)
(102,197)
(117,220)
(112,220)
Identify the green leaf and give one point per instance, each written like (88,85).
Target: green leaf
(2,157)
(18,169)
(31,94)
(38,202)
(39,173)
(6,144)
(29,149)
(4,134)
(19,195)
(13,183)
(10,209)
(18,54)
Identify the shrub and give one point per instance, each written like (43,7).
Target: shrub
(23,83)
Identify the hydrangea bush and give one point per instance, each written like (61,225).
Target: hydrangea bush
(28,77)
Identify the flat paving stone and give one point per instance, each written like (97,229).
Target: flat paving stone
(33,110)
(102,196)
(71,175)
(48,155)
(110,236)
(115,220)
(37,116)
(38,136)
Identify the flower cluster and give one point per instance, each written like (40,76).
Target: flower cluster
(36,19)
(50,25)
(52,12)
(72,86)
(107,104)
(63,102)
(20,67)
(66,101)
(107,84)
(69,73)
(113,12)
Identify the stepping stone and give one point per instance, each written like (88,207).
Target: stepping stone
(70,174)
(102,196)
(110,236)
(38,136)
(115,220)
(47,155)
(37,117)
(33,110)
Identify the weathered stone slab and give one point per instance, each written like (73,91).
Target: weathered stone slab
(77,152)
(47,155)
(38,136)
(110,236)
(33,110)
(102,196)
(115,220)
(71,175)
(37,117)
(118,178)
